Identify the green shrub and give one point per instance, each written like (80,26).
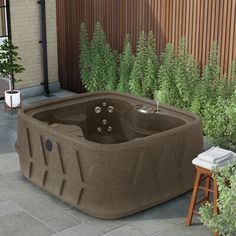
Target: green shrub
(98,65)
(126,66)
(85,58)
(186,75)
(179,76)
(225,221)
(231,113)
(143,78)
(151,67)
(214,101)
(168,91)
(136,82)
(205,91)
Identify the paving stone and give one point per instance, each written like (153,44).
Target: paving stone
(162,216)
(13,185)
(183,230)
(82,229)
(21,224)
(61,222)
(100,224)
(8,208)
(124,231)
(40,204)
(9,162)
(8,139)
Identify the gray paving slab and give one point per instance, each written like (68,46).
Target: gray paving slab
(8,208)
(9,163)
(82,229)
(61,222)
(40,204)
(22,224)
(100,224)
(7,139)
(125,230)
(13,185)
(162,216)
(182,230)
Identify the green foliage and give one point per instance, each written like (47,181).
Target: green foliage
(85,57)
(9,58)
(168,92)
(217,121)
(231,114)
(151,67)
(209,96)
(214,101)
(206,88)
(224,222)
(98,62)
(186,75)
(144,76)
(179,76)
(126,66)
(136,82)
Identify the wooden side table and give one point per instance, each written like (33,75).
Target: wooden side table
(203,174)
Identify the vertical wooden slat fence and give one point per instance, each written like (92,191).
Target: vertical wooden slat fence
(200,21)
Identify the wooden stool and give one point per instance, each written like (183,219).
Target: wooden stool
(203,174)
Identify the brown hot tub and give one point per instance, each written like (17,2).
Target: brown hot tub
(109,154)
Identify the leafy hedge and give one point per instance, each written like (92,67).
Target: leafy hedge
(175,76)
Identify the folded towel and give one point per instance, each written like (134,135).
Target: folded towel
(207,165)
(215,155)
(201,163)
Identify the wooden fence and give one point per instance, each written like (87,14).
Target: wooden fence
(200,21)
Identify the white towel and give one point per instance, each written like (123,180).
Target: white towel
(201,163)
(216,155)
(207,165)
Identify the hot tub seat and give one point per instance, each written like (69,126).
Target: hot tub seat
(144,160)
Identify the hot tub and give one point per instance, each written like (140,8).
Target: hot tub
(107,153)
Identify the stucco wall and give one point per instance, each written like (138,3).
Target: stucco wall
(26,33)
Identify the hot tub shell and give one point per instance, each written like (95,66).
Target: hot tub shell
(108,180)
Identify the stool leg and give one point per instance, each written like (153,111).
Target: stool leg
(207,186)
(215,197)
(193,200)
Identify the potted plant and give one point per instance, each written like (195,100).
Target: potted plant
(9,58)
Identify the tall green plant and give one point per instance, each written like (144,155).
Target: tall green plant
(151,68)
(143,78)
(85,58)
(205,91)
(103,71)
(136,82)
(97,62)
(168,92)
(186,75)
(126,66)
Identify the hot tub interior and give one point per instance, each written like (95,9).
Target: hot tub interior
(107,121)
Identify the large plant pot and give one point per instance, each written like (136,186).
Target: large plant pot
(12,99)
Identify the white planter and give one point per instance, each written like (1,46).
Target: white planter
(12,99)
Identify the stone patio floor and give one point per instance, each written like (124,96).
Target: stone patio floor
(25,210)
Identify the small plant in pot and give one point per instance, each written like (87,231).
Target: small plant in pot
(9,58)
